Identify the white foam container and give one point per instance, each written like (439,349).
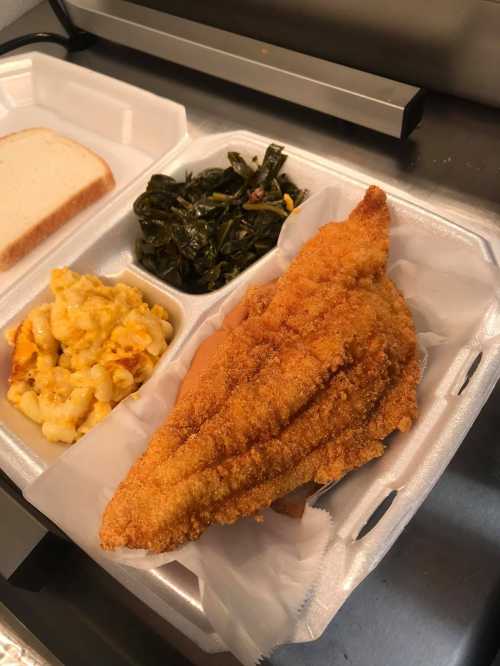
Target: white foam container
(132,129)
(105,248)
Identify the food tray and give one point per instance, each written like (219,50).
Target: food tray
(412,464)
(130,128)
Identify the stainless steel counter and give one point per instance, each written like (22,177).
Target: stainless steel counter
(18,647)
(434,598)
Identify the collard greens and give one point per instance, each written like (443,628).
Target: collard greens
(199,234)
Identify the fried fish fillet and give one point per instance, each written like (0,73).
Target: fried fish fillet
(321,369)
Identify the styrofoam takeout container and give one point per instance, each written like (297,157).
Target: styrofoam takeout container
(411,470)
(130,128)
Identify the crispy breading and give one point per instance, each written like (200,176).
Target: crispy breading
(321,369)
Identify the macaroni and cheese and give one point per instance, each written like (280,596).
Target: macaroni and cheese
(76,358)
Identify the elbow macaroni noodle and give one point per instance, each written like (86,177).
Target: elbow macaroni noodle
(76,358)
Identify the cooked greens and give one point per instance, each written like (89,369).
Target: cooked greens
(199,234)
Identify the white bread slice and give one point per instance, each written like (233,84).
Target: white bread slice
(45,179)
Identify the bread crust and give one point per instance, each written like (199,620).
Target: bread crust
(28,240)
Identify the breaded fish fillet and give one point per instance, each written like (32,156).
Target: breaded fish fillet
(322,368)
